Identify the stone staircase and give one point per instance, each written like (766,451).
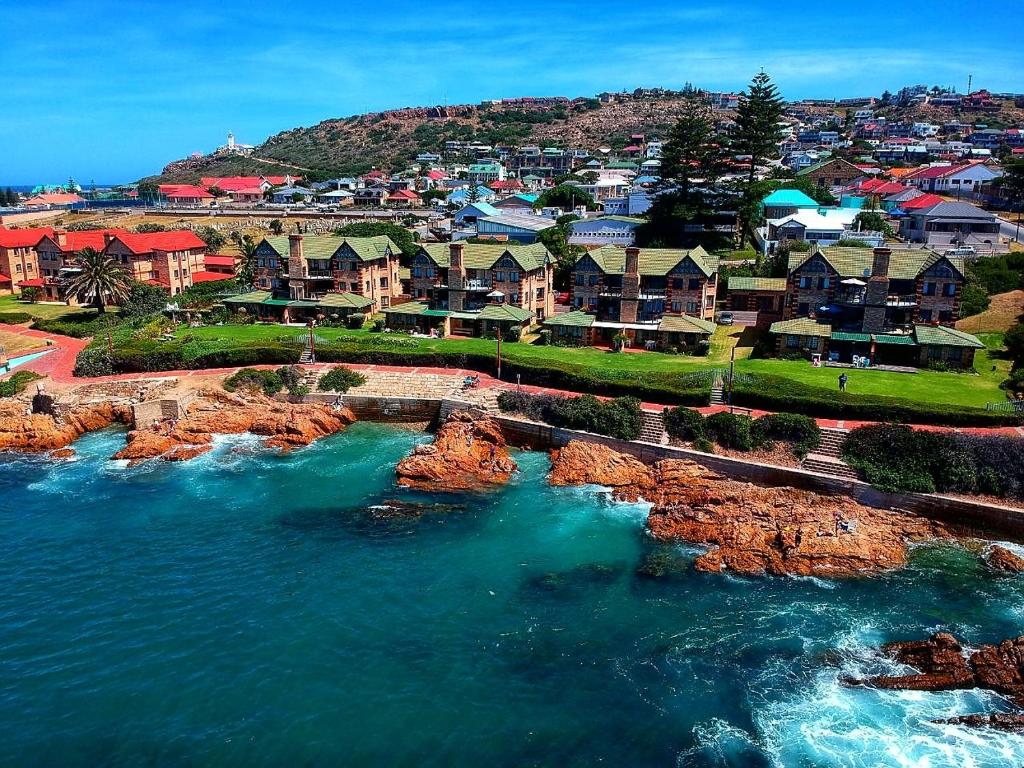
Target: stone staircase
(306,358)
(827,458)
(718,391)
(652,427)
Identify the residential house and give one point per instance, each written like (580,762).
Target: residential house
(951,225)
(57,252)
(485,173)
(188,195)
(521,203)
(604,230)
(166,259)
(54,200)
(19,261)
(462,196)
(764,295)
(220,264)
(477,289)
(825,226)
(293,194)
(469,213)
(834,172)
(371,196)
(785,202)
(509,226)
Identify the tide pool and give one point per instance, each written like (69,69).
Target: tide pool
(247,608)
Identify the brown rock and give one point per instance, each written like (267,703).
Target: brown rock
(39,432)
(468,452)
(286,425)
(751,529)
(62,453)
(999,721)
(1002,559)
(943,665)
(582,463)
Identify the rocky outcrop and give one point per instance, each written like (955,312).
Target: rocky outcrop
(1003,560)
(285,425)
(40,432)
(943,664)
(468,452)
(582,463)
(751,529)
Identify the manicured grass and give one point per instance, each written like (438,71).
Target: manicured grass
(923,387)
(44,311)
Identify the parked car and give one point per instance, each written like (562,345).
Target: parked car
(725,318)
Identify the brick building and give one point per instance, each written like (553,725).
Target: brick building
(18,258)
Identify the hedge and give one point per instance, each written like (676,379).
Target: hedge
(78,325)
(16,384)
(340,379)
(742,433)
(15,318)
(619,418)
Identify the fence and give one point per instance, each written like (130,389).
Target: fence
(1007,406)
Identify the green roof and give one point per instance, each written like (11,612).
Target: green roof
(253,297)
(822,163)
(685,324)
(483,255)
(279,302)
(616,217)
(325,246)
(435,313)
(940,335)
(574,318)
(904,263)
(621,165)
(790,198)
(887,338)
(345,301)
(757,284)
(801,326)
(850,336)
(409,308)
(505,313)
(302,303)
(279,243)
(370,248)
(653,261)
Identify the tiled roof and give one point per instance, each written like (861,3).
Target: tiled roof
(176,240)
(219,260)
(252,297)
(409,308)
(483,255)
(279,243)
(23,238)
(505,312)
(819,165)
(653,261)
(685,324)
(209,277)
(574,318)
(801,326)
(370,248)
(920,201)
(953,210)
(904,263)
(344,301)
(940,335)
(757,284)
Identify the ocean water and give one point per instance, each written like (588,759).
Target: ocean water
(251,609)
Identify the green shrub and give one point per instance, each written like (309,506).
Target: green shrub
(619,418)
(15,318)
(802,431)
(291,378)
(704,445)
(94,360)
(78,324)
(340,379)
(355,321)
(730,430)
(684,424)
(254,379)
(16,384)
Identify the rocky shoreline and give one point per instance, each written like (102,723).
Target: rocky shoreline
(468,453)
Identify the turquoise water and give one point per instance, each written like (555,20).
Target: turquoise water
(14,362)
(249,609)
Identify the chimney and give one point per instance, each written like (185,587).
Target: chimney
(296,265)
(455,254)
(61,237)
(456,277)
(632,261)
(108,238)
(880,263)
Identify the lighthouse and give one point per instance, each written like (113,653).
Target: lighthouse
(231,142)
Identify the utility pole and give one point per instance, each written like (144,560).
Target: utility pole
(732,370)
(499,353)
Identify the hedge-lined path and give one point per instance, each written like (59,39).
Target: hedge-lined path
(60,363)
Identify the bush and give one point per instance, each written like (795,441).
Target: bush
(340,379)
(15,318)
(512,335)
(291,378)
(619,418)
(378,326)
(801,431)
(94,360)
(355,321)
(730,430)
(684,424)
(78,324)
(16,384)
(143,301)
(252,379)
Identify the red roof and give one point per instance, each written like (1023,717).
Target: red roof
(403,194)
(436,175)
(4,278)
(922,201)
(279,180)
(231,183)
(1017,151)
(89,238)
(35,282)
(219,260)
(209,277)
(507,184)
(178,240)
(56,198)
(186,191)
(19,238)
(248,191)
(374,175)
(933,171)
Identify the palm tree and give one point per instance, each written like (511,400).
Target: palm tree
(101,277)
(247,268)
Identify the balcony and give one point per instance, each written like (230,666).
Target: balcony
(318,273)
(901,301)
(610,293)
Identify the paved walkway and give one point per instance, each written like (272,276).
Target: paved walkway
(408,381)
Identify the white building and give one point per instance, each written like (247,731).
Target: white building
(604,230)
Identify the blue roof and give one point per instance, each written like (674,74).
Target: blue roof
(789,197)
(463,193)
(484,209)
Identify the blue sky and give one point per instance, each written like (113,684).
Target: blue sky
(112,91)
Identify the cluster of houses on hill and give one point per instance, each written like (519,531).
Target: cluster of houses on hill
(44,259)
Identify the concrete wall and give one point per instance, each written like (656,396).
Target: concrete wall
(383,409)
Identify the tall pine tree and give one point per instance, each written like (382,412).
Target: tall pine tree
(757,136)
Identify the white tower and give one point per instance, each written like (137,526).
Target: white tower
(231,142)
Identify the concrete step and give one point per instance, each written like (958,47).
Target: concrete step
(652,427)
(828,465)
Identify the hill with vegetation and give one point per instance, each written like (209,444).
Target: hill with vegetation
(391,140)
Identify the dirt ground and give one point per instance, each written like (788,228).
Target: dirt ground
(13,344)
(1001,314)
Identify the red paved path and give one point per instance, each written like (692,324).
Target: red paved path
(60,363)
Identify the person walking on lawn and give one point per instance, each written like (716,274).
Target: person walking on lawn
(843,378)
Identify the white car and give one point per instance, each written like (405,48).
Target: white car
(725,318)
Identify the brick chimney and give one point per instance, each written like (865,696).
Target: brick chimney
(877,292)
(456,277)
(60,236)
(108,238)
(629,305)
(880,262)
(296,264)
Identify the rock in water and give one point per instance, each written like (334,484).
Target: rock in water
(582,463)
(285,425)
(1001,559)
(468,452)
(943,664)
(751,529)
(39,432)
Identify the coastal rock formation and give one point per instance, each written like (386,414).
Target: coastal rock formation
(468,452)
(286,425)
(943,664)
(582,463)
(751,529)
(39,432)
(1001,559)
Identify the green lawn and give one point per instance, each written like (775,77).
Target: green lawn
(44,311)
(924,387)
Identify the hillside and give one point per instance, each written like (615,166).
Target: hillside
(390,140)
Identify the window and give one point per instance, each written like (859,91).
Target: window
(934,353)
(677,306)
(925,315)
(949,289)
(793,342)
(513,277)
(593,280)
(677,282)
(955,354)
(692,306)
(945,316)
(417,272)
(812,342)
(694,284)
(354,287)
(383,282)
(580,279)
(805,282)
(824,282)
(499,276)
(802,308)
(928,289)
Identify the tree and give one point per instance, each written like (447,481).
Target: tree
(276,226)
(217,192)
(873,221)
(143,300)
(213,238)
(692,151)
(30,294)
(101,279)
(1011,183)
(247,267)
(556,240)
(474,194)
(566,197)
(757,135)
(400,236)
